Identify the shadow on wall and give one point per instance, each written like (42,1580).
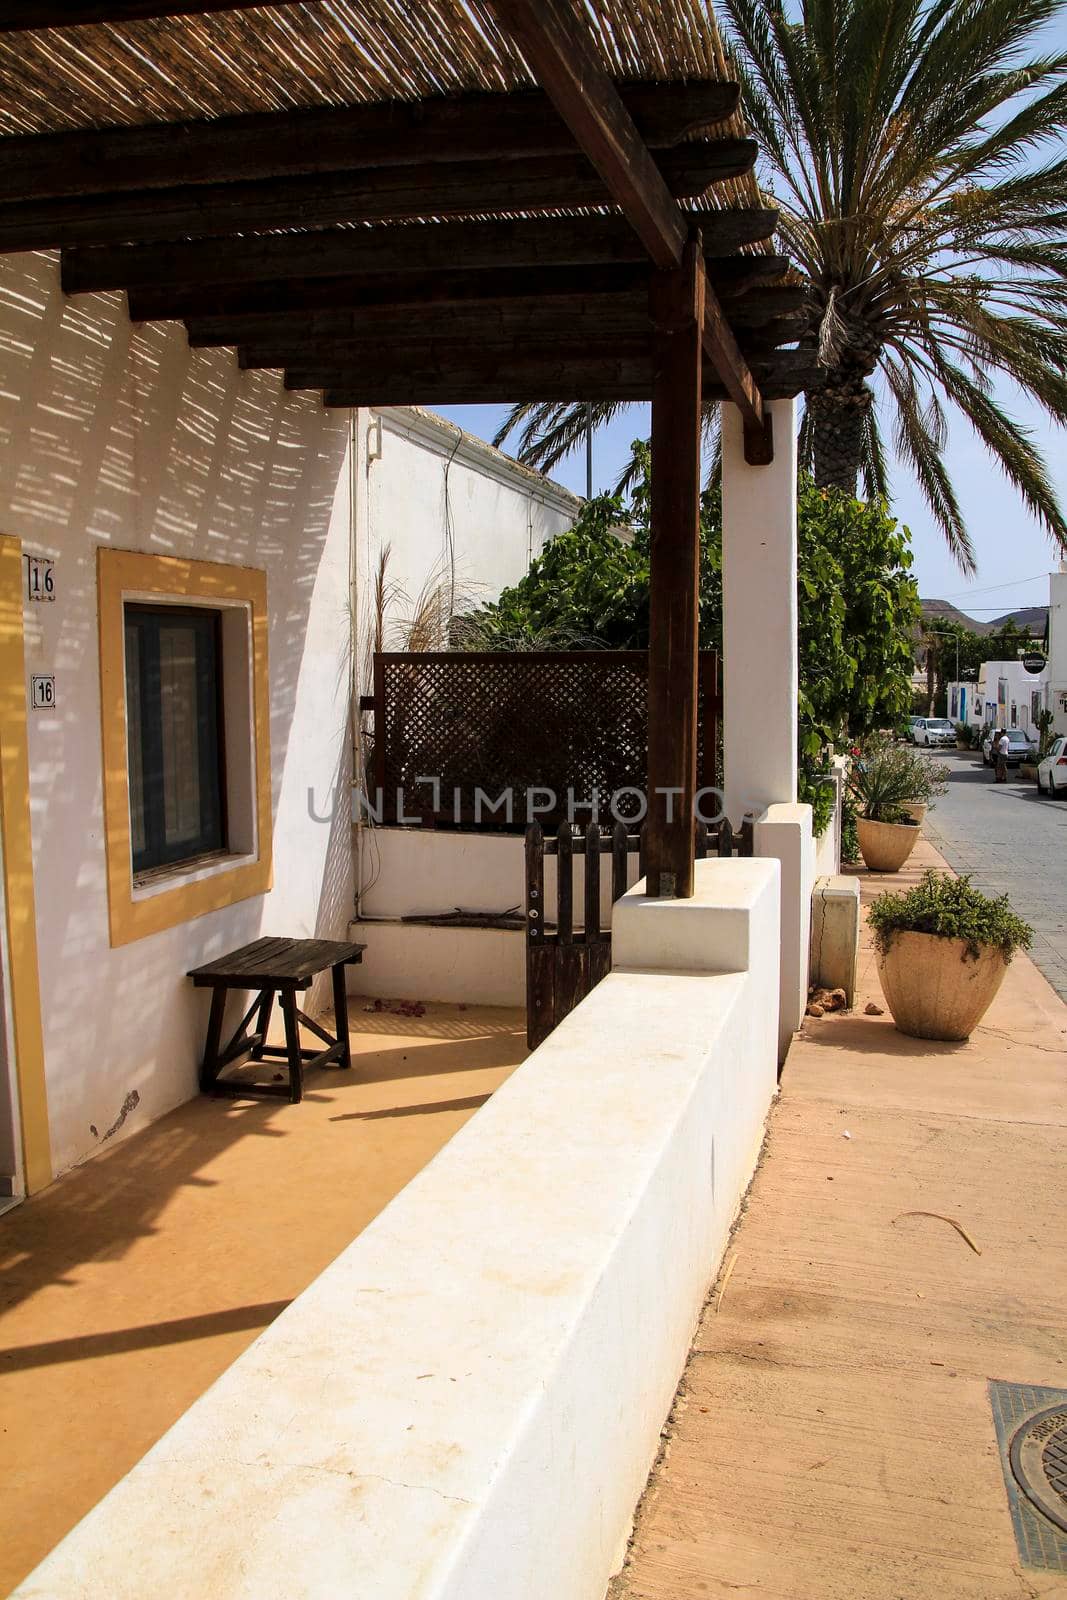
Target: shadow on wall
(119,434)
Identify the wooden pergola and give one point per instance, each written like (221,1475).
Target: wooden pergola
(459,201)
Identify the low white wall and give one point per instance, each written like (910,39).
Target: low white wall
(466,1404)
(468,966)
(784,833)
(428,871)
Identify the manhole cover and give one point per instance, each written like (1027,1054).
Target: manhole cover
(1039,1462)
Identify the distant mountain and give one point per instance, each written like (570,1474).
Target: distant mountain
(1032,617)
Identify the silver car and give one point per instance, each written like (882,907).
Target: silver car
(933,731)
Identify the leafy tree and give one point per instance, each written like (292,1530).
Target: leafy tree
(905,143)
(858,607)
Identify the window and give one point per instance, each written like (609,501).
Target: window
(184,708)
(174,734)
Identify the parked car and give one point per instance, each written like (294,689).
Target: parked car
(934,731)
(1019,746)
(1052,771)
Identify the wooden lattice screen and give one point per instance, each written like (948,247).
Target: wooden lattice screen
(518,722)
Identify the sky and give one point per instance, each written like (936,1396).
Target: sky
(1014,553)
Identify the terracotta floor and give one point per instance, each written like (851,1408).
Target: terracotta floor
(127,1287)
(833,1438)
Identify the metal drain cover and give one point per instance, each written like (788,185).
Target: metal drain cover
(1039,1462)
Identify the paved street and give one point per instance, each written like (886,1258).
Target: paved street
(1012,841)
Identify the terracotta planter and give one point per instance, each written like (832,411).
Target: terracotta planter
(933,987)
(917,813)
(885,846)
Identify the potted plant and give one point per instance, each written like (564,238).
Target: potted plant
(892,785)
(964,735)
(942,950)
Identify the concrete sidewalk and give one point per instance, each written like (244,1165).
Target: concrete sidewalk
(833,1438)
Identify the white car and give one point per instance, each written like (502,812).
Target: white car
(1052,771)
(934,731)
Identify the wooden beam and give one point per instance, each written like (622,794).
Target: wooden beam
(560,52)
(446,247)
(21,15)
(677,306)
(732,276)
(558,47)
(349,389)
(334,139)
(540,183)
(616,371)
(580,318)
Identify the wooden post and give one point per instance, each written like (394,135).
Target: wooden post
(677,308)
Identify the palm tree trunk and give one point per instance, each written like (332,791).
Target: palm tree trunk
(839,412)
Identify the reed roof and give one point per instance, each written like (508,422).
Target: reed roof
(327,53)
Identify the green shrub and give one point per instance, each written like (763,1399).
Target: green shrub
(887,779)
(950,908)
(964,735)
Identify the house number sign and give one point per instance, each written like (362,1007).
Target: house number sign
(40,578)
(43,691)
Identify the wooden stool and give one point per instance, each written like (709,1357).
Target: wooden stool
(275,966)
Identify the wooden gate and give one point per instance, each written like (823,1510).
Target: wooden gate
(563,964)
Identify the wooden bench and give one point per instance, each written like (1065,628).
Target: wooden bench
(282,967)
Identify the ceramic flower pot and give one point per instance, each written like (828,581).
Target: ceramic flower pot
(917,812)
(934,987)
(885,846)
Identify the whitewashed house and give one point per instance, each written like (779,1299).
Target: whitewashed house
(550,1264)
(175,529)
(1011,694)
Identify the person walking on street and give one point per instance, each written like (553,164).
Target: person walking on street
(1001,746)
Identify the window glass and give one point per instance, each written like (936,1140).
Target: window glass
(174,734)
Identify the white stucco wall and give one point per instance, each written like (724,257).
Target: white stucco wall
(1057,663)
(1020,686)
(120,435)
(450,509)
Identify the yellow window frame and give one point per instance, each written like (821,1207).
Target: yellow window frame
(127,574)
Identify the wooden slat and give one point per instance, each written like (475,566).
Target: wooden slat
(535,884)
(334,139)
(539,183)
(446,247)
(564,885)
(677,305)
(618,862)
(592,884)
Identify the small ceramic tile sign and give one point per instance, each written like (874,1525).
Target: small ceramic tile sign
(43,691)
(40,578)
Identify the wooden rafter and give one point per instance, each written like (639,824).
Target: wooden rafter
(731,276)
(582,317)
(462,188)
(388,133)
(557,47)
(446,247)
(615,372)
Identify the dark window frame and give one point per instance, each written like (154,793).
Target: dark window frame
(213,832)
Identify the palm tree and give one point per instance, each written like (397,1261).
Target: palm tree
(906,144)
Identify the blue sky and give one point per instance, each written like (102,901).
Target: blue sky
(1014,554)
